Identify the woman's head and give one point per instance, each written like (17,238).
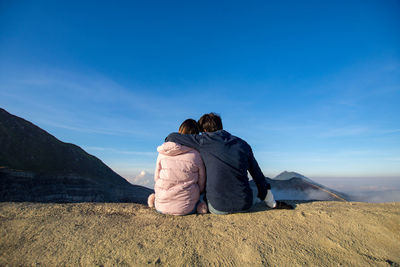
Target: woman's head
(189,126)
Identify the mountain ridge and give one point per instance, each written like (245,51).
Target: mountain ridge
(295,186)
(55,167)
(286,175)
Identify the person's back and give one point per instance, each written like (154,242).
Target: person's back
(227,159)
(179,179)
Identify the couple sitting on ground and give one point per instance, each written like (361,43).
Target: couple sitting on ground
(180,176)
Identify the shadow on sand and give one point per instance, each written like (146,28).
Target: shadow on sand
(281,204)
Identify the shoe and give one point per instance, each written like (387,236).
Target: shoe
(150,200)
(202,208)
(283,206)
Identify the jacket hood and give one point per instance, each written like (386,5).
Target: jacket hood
(220,135)
(172,149)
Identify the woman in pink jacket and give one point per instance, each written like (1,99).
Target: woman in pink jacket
(179,177)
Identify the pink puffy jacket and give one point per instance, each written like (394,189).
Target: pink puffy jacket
(179,179)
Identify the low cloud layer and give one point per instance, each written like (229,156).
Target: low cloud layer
(303,195)
(373,190)
(376,196)
(366,189)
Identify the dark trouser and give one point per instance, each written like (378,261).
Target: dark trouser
(218,212)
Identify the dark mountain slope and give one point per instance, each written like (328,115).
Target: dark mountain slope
(51,170)
(301,189)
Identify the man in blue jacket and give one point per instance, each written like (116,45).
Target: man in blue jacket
(227,159)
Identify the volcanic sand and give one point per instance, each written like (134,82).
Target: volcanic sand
(110,234)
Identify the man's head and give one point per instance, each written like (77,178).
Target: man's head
(210,122)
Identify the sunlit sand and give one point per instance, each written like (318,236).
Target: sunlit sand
(93,234)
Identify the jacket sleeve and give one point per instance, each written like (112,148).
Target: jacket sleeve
(202,176)
(189,140)
(258,177)
(158,168)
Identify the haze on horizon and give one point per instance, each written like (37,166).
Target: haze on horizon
(312,86)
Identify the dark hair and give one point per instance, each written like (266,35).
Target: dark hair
(189,126)
(210,122)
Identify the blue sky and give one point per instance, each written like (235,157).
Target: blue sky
(313,86)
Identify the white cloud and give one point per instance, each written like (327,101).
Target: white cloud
(85,102)
(124,152)
(143,178)
(393,159)
(389,131)
(104,131)
(345,131)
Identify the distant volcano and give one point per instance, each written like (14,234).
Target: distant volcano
(285,175)
(294,186)
(36,166)
(143,178)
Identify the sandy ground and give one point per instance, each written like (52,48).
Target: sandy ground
(93,234)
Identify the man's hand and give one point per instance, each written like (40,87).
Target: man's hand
(269,200)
